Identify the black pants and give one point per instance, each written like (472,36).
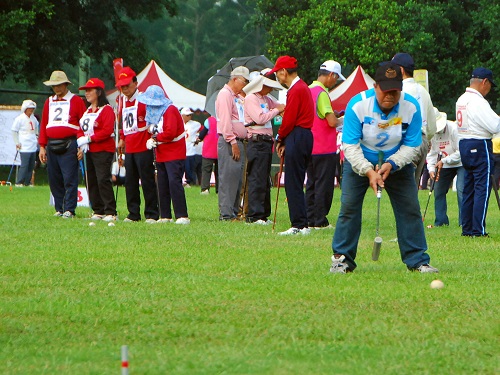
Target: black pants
(319,188)
(259,157)
(193,169)
(100,187)
(207,166)
(171,190)
(139,165)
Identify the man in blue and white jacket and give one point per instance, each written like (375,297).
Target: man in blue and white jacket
(381,121)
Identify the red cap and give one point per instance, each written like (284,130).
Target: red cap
(284,62)
(125,77)
(93,83)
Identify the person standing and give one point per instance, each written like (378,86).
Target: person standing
(25,131)
(232,133)
(139,160)
(58,129)
(410,86)
(381,123)
(295,141)
(167,141)
(260,109)
(477,123)
(208,135)
(193,149)
(445,143)
(322,166)
(96,140)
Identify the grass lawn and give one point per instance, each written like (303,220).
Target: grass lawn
(229,298)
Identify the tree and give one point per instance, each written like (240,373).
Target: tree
(39,36)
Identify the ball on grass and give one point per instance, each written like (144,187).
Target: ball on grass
(91,224)
(111,224)
(437,284)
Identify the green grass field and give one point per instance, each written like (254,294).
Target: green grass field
(229,298)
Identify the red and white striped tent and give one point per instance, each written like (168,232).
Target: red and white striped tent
(358,81)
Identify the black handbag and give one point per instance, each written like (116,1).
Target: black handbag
(59,146)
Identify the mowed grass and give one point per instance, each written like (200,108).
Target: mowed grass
(229,298)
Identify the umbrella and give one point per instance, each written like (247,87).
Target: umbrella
(217,81)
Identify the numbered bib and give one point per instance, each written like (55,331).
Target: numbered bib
(87,123)
(58,113)
(241,110)
(129,119)
(462,119)
(382,134)
(265,109)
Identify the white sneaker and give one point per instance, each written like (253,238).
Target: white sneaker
(97,217)
(58,214)
(109,218)
(19,185)
(165,220)
(329,226)
(338,265)
(426,268)
(182,221)
(150,221)
(293,231)
(305,231)
(68,215)
(262,222)
(205,192)
(127,220)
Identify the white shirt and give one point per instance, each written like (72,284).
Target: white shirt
(410,86)
(445,141)
(475,118)
(192,129)
(25,130)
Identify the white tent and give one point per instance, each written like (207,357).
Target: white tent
(154,75)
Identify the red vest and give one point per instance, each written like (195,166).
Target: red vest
(209,150)
(325,137)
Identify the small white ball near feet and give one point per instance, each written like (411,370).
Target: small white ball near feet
(91,224)
(111,224)
(437,284)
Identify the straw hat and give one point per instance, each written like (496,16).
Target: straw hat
(56,78)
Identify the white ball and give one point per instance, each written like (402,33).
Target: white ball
(437,284)
(91,224)
(111,224)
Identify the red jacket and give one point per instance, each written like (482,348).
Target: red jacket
(299,109)
(104,128)
(136,142)
(171,143)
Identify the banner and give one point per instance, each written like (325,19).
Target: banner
(117,66)
(83,198)
(7,145)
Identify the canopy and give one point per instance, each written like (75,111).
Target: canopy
(358,81)
(180,96)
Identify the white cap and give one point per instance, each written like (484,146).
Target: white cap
(27,104)
(186,111)
(241,71)
(334,67)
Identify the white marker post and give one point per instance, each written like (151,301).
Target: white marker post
(124,360)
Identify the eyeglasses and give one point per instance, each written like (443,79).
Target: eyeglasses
(244,80)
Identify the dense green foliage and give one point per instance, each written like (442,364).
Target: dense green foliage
(448,38)
(229,298)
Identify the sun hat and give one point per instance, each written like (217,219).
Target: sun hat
(186,111)
(333,67)
(483,73)
(154,95)
(56,78)
(125,76)
(388,76)
(441,118)
(285,62)
(27,104)
(259,82)
(241,71)
(93,83)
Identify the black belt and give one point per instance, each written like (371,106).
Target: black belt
(244,140)
(261,138)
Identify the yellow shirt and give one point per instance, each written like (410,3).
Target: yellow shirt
(496,144)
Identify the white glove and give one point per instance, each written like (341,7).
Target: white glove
(84,147)
(153,129)
(83,140)
(151,143)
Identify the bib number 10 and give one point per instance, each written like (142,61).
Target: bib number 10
(129,121)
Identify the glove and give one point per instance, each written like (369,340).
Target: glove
(84,147)
(151,143)
(153,129)
(83,140)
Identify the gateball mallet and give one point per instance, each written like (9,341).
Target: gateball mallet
(11,169)
(278,193)
(432,186)
(377,242)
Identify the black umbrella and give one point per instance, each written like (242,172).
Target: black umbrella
(217,81)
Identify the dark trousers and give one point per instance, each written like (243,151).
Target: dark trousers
(171,190)
(100,187)
(207,166)
(139,165)
(298,148)
(26,168)
(259,158)
(477,159)
(319,188)
(193,169)
(62,170)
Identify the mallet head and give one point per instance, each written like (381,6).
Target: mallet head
(377,244)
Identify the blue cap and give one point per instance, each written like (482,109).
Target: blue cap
(404,60)
(483,73)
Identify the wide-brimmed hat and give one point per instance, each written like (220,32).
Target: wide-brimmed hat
(441,119)
(56,78)
(259,82)
(154,95)
(93,83)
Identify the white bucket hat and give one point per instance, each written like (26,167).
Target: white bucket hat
(56,78)
(259,82)
(27,104)
(441,118)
